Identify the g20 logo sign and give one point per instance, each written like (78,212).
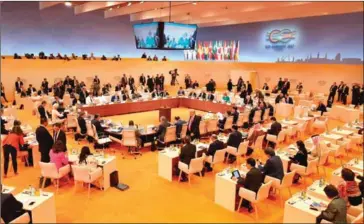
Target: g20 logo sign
(280,38)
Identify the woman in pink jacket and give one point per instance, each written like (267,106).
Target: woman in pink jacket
(57,154)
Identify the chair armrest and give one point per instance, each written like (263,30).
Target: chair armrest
(94,175)
(63,171)
(247,194)
(183,166)
(275,182)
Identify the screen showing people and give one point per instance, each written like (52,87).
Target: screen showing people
(179,36)
(147,35)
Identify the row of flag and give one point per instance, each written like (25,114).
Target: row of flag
(220,50)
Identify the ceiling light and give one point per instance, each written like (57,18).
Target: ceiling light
(118,6)
(68,4)
(129,3)
(194,3)
(155,8)
(110,9)
(141,2)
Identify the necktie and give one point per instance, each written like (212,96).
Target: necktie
(190,123)
(55,136)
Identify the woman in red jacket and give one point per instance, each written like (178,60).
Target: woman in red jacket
(11,145)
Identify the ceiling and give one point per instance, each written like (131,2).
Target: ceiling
(207,14)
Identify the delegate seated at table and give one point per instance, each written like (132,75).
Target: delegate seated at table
(115,98)
(82,123)
(10,207)
(252,181)
(321,107)
(336,210)
(137,132)
(96,122)
(275,128)
(188,152)
(349,188)
(273,166)
(180,92)
(226,98)
(57,155)
(213,147)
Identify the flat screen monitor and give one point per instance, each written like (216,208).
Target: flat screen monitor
(147,35)
(177,36)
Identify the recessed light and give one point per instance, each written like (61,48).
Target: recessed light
(110,9)
(129,3)
(194,3)
(155,8)
(68,4)
(141,2)
(118,6)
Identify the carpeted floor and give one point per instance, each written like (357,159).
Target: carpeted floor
(150,198)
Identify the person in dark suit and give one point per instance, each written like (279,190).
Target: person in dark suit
(345,94)
(18,85)
(195,85)
(230,85)
(210,97)
(10,207)
(150,83)
(340,89)
(188,152)
(115,98)
(31,90)
(279,98)
(161,132)
(179,123)
(235,115)
(45,140)
(82,123)
(274,166)
(239,84)
(222,121)
(321,107)
(234,140)
(265,86)
(235,137)
(280,84)
(332,93)
(252,181)
(286,86)
(59,135)
(275,128)
(180,92)
(202,95)
(193,125)
(3,122)
(289,99)
(300,158)
(83,95)
(336,211)
(45,86)
(96,122)
(213,147)
(249,88)
(192,94)
(142,80)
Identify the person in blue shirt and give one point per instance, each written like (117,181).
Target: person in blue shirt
(150,40)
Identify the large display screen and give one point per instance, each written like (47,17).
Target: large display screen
(218,50)
(147,35)
(179,36)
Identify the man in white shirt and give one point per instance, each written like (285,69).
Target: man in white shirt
(90,99)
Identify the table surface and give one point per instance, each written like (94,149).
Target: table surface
(342,132)
(332,136)
(7,189)
(25,198)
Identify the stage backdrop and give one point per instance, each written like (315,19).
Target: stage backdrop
(335,39)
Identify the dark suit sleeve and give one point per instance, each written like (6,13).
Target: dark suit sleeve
(330,212)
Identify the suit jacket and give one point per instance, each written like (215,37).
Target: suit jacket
(82,97)
(61,137)
(161,131)
(235,117)
(253,180)
(193,125)
(335,211)
(181,93)
(42,112)
(274,167)
(234,139)
(115,98)
(333,89)
(10,208)
(202,96)
(275,128)
(18,85)
(29,91)
(346,90)
(44,139)
(300,158)
(98,126)
(210,97)
(82,123)
(216,145)
(290,100)
(188,152)
(179,125)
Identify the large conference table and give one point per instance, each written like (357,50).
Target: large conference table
(149,105)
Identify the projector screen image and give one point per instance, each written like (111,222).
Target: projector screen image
(179,36)
(220,50)
(147,35)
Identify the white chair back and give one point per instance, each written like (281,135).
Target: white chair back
(81,173)
(90,131)
(240,121)
(219,156)
(129,138)
(202,127)
(257,116)
(229,123)
(263,191)
(288,179)
(196,165)
(48,170)
(259,142)
(311,167)
(243,148)
(170,135)
(281,136)
(212,125)
(323,158)
(95,136)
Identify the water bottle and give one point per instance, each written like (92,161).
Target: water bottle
(32,190)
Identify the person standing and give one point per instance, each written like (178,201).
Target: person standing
(59,135)
(230,85)
(345,94)
(355,94)
(249,88)
(142,80)
(150,84)
(332,93)
(45,140)
(193,125)
(339,91)
(11,145)
(239,84)
(18,85)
